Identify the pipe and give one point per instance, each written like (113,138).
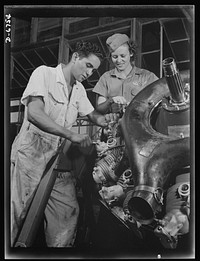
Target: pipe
(146,199)
(174,81)
(153,156)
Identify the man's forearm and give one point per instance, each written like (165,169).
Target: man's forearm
(97,118)
(41,120)
(93,116)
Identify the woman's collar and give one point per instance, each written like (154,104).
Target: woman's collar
(125,73)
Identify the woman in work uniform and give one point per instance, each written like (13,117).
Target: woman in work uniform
(53,99)
(119,86)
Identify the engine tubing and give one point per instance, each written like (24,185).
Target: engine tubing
(153,156)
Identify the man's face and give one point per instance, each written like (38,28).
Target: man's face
(121,57)
(84,66)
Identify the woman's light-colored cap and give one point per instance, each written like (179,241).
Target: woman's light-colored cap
(116,40)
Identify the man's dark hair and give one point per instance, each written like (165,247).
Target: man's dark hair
(85,48)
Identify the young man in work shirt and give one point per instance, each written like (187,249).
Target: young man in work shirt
(53,99)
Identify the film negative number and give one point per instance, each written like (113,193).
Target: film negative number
(8,27)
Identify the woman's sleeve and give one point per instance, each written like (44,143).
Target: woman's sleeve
(101,86)
(152,78)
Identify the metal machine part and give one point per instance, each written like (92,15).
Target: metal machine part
(176,219)
(174,81)
(126,179)
(184,190)
(166,239)
(118,191)
(174,113)
(104,170)
(111,194)
(152,155)
(155,132)
(109,157)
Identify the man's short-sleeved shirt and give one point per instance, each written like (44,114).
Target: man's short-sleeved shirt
(110,84)
(49,83)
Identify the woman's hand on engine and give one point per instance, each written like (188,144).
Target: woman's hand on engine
(118,104)
(105,120)
(119,100)
(111,117)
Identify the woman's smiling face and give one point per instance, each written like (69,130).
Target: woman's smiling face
(121,57)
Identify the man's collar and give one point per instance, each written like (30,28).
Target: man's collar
(59,75)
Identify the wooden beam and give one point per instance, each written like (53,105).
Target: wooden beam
(25,73)
(32,46)
(133,29)
(99,33)
(161,48)
(34,30)
(60,50)
(22,53)
(35,50)
(63,52)
(138,61)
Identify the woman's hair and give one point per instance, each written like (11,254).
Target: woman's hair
(132,49)
(85,48)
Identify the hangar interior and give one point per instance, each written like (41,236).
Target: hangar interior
(50,40)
